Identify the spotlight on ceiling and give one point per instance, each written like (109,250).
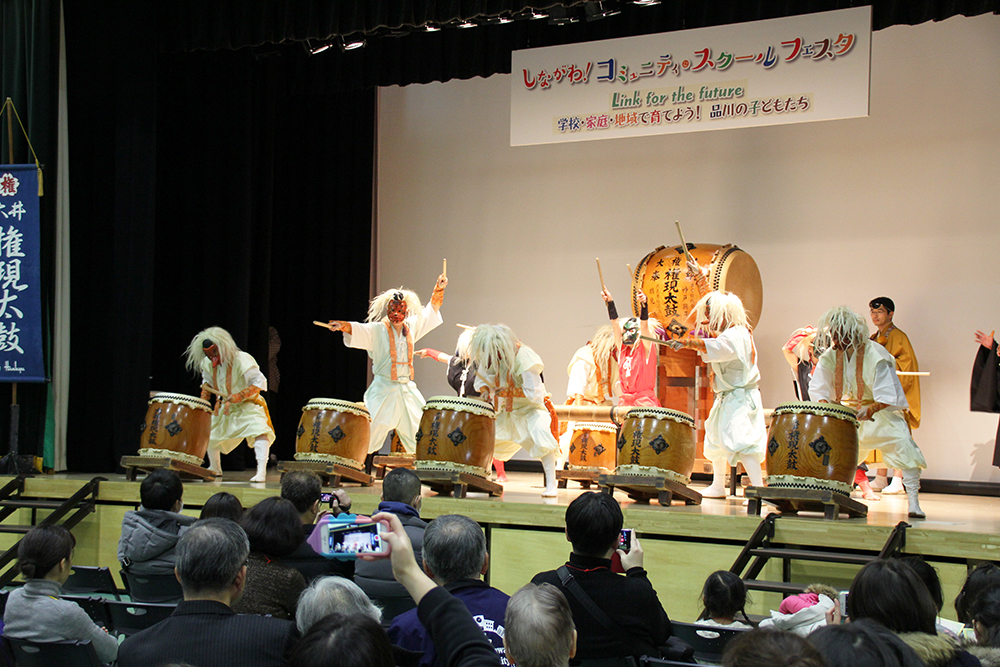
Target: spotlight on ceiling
(645,3)
(466,24)
(431,28)
(350,44)
(560,16)
(319,48)
(596,11)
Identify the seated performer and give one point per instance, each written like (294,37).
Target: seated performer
(636,358)
(860,373)
(593,378)
(395,321)
(735,431)
(510,376)
(240,411)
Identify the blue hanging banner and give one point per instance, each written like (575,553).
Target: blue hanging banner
(20,275)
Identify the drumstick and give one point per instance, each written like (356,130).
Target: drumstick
(465,326)
(444,268)
(655,340)
(629,267)
(325,325)
(913,372)
(601,275)
(683,242)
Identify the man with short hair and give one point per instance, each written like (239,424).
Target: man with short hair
(538,628)
(401,496)
(204,630)
(633,621)
(150,533)
(303,489)
(455,558)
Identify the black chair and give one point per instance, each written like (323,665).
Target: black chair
(3,602)
(708,641)
(46,654)
(86,579)
(94,606)
(155,588)
(131,617)
(392,606)
(646,661)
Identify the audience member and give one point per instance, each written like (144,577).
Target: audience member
(401,496)
(357,641)
(806,612)
(204,630)
(34,611)
(150,533)
(980,578)
(539,630)
(222,505)
(724,595)
(640,625)
(303,489)
(929,576)
(863,643)
(455,558)
(986,622)
(770,648)
(327,595)
(890,592)
(274,530)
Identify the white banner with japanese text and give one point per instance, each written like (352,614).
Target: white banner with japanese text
(789,70)
(20,275)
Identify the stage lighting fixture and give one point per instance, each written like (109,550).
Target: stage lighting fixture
(350,44)
(596,11)
(319,48)
(645,3)
(431,28)
(560,16)
(466,24)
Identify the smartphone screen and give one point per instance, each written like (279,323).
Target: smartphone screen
(625,540)
(326,498)
(355,539)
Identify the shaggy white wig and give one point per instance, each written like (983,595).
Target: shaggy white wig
(723,310)
(379,307)
(601,344)
(219,336)
(464,344)
(843,325)
(493,348)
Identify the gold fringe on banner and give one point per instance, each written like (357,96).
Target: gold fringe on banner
(10,103)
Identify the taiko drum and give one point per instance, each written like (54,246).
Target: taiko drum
(177,423)
(657,438)
(592,447)
(335,431)
(812,446)
(456,433)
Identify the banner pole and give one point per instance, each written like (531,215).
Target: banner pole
(10,130)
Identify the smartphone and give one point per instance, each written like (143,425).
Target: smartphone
(326,498)
(354,539)
(843,606)
(625,540)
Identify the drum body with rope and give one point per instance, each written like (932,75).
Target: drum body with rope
(177,426)
(812,446)
(456,434)
(657,442)
(592,447)
(662,275)
(333,431)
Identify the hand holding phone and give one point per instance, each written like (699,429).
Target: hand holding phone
(625,540)
(358,536)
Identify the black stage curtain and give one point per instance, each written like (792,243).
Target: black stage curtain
(452,53)
(29,42)
(206,193)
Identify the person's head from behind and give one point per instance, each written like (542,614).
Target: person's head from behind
(222,505)
(538,628)
(327,595)
(273,527)
(929,576)
(724,595)
(593,524)
(211,560)
(161,490)
(890,592)
(980,578)
(402,485)
(340,640)
(46,552)
(985,614)
(303,488)
(863,643)
(454,548)
(770,648)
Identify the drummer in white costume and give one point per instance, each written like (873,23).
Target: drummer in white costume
(509,375)
(234,378)
(593,379)
(853,360)
(395,321)
(735,431)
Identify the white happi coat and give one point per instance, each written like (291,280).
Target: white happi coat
(887,430)
(583,382)
(393,404)
(735,425)
(245,420)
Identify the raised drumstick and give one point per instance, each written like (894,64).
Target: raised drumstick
(601,275)
(325,325)
(444,268)
(683,242)
(629,267)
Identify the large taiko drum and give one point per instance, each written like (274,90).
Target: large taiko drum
(592,447)
(812,446)
(658,442)
(177,426)
(456,434)
(333,431)
(662,276)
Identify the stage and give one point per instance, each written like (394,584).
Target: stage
(683,544)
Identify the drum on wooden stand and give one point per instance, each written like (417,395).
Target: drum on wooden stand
(456,434)
(657,442)
(592,447)
(333,431)
(812,446)
(177,426)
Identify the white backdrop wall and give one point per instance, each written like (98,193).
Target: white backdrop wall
(904,203)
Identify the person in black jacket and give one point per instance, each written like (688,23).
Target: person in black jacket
(638,624)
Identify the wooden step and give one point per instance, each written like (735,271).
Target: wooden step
(783,587)
(822,556)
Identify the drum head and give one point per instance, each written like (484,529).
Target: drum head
(460,404)
(736,272)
